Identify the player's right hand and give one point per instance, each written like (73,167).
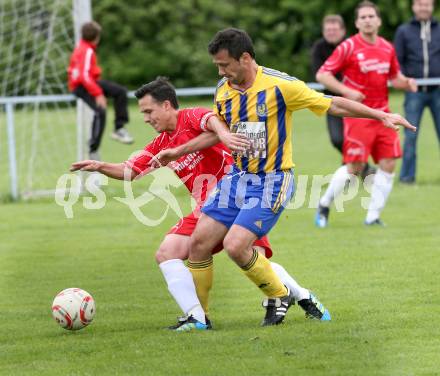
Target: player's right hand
(101,101)
(236,142)
(87,165)
(354,95)
(393,121)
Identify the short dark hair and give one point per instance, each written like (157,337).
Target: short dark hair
(366,4)
(235,41)
(90,31)
(334,18)
(160,89)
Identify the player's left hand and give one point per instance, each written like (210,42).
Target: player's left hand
(393,121)
(164,157)
(236,142)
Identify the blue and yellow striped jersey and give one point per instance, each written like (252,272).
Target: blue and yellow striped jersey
(264,113)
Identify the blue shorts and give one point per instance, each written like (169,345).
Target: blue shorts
(253,201)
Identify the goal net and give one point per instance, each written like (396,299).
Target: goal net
(39,137)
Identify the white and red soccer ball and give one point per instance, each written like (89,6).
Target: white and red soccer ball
(73,308)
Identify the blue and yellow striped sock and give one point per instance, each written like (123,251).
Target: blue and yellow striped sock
(259,271)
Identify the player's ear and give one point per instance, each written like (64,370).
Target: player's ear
(245,57)
(166,104)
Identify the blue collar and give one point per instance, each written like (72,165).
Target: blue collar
(414,21)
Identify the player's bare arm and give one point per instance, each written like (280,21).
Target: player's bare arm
(347,108)
(202,141)
(335,86)
(234,141)
(404,83)
(118,171)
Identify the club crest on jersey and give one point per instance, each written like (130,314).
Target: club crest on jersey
(360,56)
(225,94)
(262,109)
(239,127)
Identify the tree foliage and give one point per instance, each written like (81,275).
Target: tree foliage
(144,38)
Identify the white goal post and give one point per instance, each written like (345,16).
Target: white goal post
(44,124)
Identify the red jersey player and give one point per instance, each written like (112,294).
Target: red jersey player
(366,62)
(180,134)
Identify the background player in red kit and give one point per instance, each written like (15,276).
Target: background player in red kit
(84,80)
(180,133)
(366,62)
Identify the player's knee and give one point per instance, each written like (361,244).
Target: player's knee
(233,247)
(355,168)
(161,255)
(196,243)
(388,165)
(165,253)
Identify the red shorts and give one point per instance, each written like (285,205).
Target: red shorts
(187,225)
(365,137)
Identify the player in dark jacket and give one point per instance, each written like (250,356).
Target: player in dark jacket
(333,32)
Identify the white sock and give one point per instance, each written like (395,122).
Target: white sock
(381,189)
(181,286)
(336,186)
(298,292)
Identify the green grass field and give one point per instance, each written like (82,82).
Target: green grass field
(380,284)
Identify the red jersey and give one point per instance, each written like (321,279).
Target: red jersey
(84,69)
(193,169)
(365,67)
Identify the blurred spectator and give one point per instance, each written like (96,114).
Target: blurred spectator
(84,81)
(333,31)
(417,45)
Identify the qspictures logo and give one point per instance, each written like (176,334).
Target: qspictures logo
(158,193)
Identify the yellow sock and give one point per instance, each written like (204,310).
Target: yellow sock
(259,271)
(202,272)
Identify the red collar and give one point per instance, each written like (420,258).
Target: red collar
(88,44)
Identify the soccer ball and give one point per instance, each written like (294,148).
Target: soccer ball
(73,309)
